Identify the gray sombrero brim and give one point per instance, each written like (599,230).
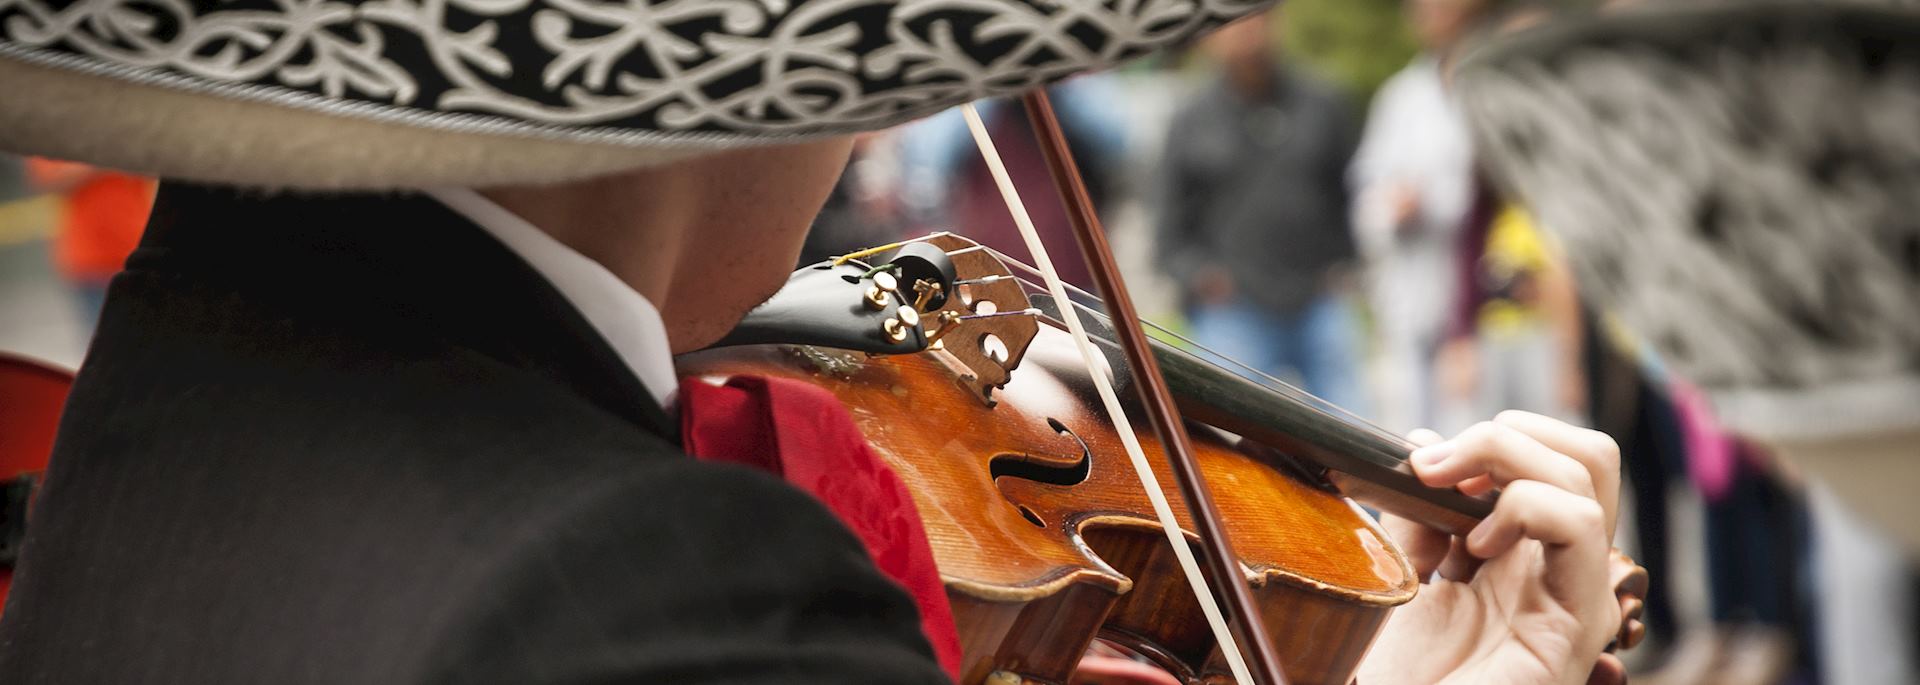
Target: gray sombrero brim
(1736,182)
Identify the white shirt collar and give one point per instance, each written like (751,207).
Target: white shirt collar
(629,323)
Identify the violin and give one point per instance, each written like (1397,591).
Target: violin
(1041,533)
(963,374)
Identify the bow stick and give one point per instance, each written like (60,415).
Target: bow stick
(1258,663)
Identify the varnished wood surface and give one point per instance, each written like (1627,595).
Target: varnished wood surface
(1030,596)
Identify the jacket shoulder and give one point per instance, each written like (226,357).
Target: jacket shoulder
(681,572)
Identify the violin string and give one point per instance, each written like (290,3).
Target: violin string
(1093,300)
(877,249)
(965,250)
(1030,311)
(1176,539)
(1093,304)
(1323,407)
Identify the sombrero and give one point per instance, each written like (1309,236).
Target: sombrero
(414,93)
(1738,183)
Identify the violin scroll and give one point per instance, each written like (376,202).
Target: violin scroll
(1630,583)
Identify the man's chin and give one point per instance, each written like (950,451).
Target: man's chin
(713,322)
(699,336)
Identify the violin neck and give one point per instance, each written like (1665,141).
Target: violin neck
(1366,463)
(1287,426)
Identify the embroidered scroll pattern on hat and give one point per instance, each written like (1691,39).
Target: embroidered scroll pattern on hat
(599,69)
(1776,185)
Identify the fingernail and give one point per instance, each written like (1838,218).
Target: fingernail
(1432,454)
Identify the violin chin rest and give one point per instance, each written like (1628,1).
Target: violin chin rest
(826,305)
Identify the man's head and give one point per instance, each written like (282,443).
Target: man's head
(1440,24)
(648,120)
(1243,45)
(705,239)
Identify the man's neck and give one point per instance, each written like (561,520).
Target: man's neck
(597,218)
(705,239)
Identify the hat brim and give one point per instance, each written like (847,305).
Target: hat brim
(1734,181)
(187,136)
(412,93)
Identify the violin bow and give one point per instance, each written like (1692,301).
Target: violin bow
(1243,638)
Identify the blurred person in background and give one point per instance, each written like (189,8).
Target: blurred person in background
(1748,513)
(1514,340)
(1413,185)
(102,214)
(1756,527)
(948,187)
(1252,214)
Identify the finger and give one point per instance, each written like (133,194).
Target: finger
(1460,565)
(1529,509)
(1113,670)
(1425,547)
(1573,548)
(1631,628)
(1635,631)
(1608,670)
(1475,486)
(1425,436)
(1504,455)
(1593,449)
(1629,578)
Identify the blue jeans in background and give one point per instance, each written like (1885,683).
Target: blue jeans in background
(1316,347)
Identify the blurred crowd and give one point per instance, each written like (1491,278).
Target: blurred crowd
(1327,225)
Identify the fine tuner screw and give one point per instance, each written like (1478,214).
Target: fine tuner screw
(903,321)
(879,295)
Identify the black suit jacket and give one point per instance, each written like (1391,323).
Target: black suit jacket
(355,440)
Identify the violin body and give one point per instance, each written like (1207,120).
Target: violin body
(1046,541)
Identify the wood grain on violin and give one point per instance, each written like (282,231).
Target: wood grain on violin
(1046,541)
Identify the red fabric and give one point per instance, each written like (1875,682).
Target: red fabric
(802,434)
(31,397)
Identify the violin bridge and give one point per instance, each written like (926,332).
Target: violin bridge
(981,348)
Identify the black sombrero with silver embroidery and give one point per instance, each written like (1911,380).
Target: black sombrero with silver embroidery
(1737,182)
(374,92)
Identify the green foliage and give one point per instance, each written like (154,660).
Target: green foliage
(1354,43)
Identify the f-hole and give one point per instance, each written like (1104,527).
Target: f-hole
(1027,467)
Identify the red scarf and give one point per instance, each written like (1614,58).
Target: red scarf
(801,433)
